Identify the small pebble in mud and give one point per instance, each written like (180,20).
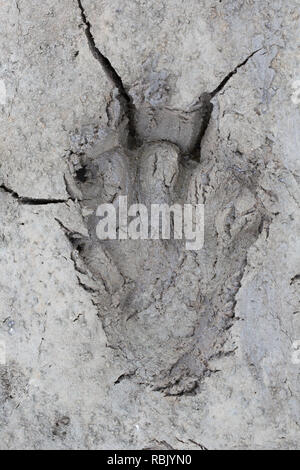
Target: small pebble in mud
(9,323)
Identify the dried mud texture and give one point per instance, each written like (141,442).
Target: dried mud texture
(142,343)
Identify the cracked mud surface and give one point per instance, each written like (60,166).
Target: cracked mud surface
(144,344)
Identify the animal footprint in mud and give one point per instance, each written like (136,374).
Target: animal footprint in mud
(156,290)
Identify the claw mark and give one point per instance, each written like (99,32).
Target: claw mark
(204,101)
(109,70)
(230,75)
